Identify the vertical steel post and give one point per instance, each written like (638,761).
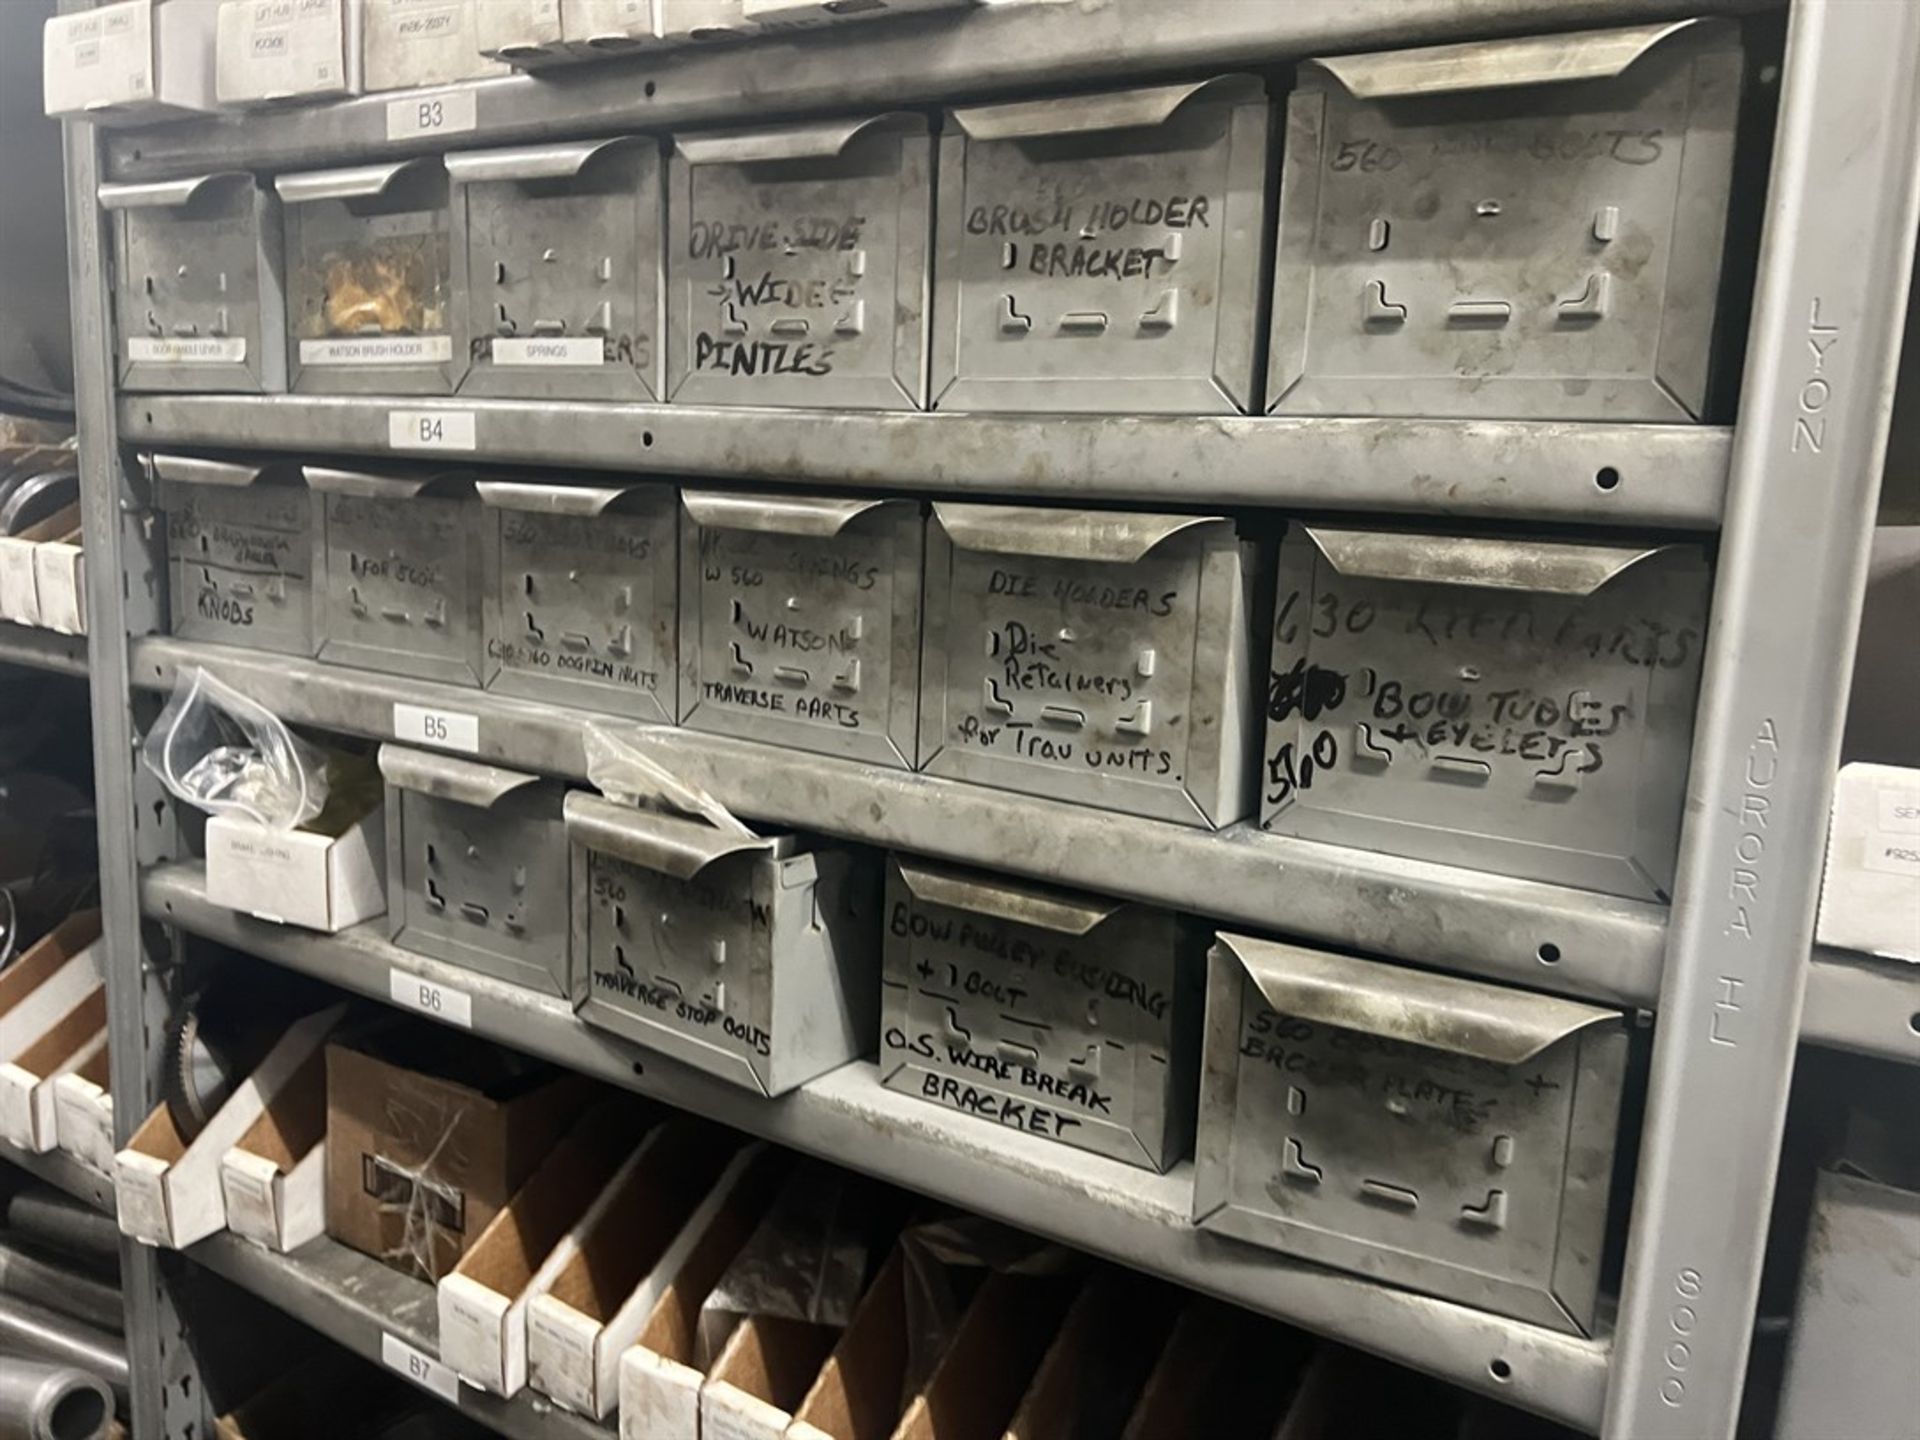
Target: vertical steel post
(1811,437)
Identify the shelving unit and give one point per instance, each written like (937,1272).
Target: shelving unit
(1788,493)
(43,649)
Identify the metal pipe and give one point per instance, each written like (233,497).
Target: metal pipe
(28,1330)
(81,1297)
(52,1219)
(52,1402)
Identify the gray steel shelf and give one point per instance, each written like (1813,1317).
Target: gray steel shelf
(63,1172)
(1664,476)
(1493,925)
(43,649)
(936,58)
(1132,1216)
(1858,1002)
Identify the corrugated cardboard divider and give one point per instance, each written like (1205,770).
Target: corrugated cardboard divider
(1224,1374)
(977,1387)
(26,1083)
(22,1019)
(1094,1371)
(860,1393)
(274,1178)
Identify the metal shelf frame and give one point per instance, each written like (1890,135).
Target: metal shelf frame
(1790,489)
(43,649)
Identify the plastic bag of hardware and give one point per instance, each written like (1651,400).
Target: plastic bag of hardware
(226,754)
(619,769)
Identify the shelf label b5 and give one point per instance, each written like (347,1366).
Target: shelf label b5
(442,729)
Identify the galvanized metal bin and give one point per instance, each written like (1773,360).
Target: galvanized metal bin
(1517,705)
(403,578)
(1525,228)
(800,622)
(197,284)
(563,246)
(1103,252)
(242,546)
(753,959)
(1450,1136)
(374,280)
(1066,1015)
(582,595)
(797,265)
(477,867)
(1100,657)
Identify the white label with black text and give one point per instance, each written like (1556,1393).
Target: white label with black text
(430,429)
(442,1003)
(421,1368)
(554,350)
(378,350)
(1898,811)
(207,350)
(447,113)
(443,729)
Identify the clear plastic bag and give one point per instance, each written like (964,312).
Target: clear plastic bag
(226,754)
(619,769)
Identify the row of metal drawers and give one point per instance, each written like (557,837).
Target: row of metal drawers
(1531,228)
(1522,705)
(1443,1133)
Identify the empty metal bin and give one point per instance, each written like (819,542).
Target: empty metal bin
(403,580)
(1428,1131)
(582,595)
(1100,657)
(1523,228)
(1522,706)
(1103,252)
(751,958)
(1071,1016)
(797,265)
(374,280)
(564,269)
(242,545)
(477,867)
(197,287)
(800,622)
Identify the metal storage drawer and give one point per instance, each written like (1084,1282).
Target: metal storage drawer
(477,867)
(800,622)
(563,266)
(1424,1130)
(752,959)
(374,280)
(797,265)
(403,583)
(582,595)
(241,549)
(1094,656)
(1523,706)
(1065,1015)
(1515,228)
(197,284)
(1103,252)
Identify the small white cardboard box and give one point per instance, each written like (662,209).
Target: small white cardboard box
(26,1081)
(1870,900)
(55,974)
(483,1300)
(19,570)
(169,1190)
(273,1181)
(60,579)
(299,877)
(83,1112)
(409,43)
(272,51)
(761,1377)
(130,62)
(657,1209)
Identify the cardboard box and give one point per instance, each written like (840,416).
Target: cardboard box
(662,1371)
(26,1082)
(19,569)
(273,1179)
(428,1137)
(130,62)
(54,974)
(83,1112)
(1097,1365)
(321,881)
(1224,1374)
(766,1370)
(271,51)
(659,1204)
(405,43)
(1870,900)
(864,1387)
(169,1188)
(60,577)
(979,1381)
(483,1302)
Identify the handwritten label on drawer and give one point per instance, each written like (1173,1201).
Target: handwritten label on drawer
(443,729)
(440,1002)
(430,429)
(421,1368)
(447,113)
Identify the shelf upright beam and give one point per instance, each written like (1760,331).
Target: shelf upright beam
(122,597)
(1807,454)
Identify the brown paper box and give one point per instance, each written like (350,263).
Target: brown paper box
(994,1354)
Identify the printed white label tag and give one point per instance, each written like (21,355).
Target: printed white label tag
(430,429)
(1899,811)
(555,350)
(209,350)
(444,729)
(446,113)
(421,1368)
(453,1007)
(379,350)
